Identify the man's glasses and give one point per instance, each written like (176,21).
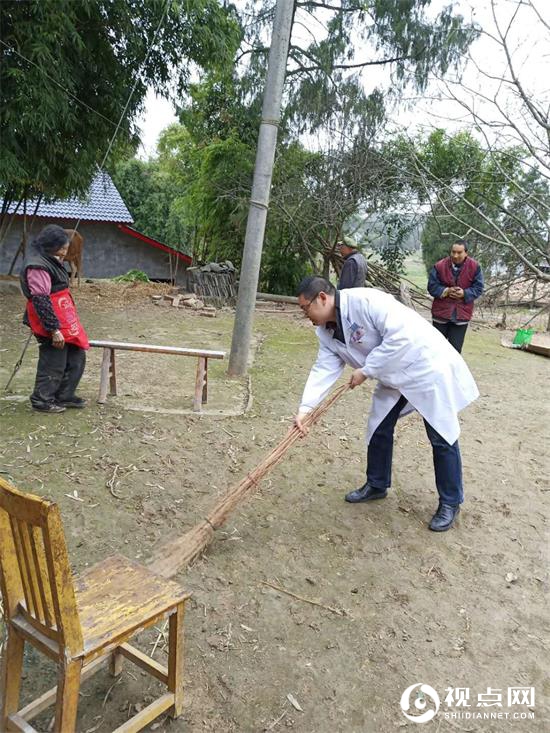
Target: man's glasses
(305,308)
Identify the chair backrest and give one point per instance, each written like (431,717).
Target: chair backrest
(35,574)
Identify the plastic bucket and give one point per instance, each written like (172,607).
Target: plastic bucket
(523,336)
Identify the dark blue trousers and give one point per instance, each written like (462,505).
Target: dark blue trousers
(447,460)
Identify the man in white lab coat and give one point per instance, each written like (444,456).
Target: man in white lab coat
(416,368)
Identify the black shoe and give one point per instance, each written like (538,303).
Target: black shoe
(49,407)
(444,517)
(366,493)
(78,402)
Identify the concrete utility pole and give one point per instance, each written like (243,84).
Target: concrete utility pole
(261,185)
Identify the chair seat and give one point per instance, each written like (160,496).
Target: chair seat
(117,596)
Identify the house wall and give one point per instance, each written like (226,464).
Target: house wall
(108,252)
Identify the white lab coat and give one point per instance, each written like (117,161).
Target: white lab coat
(392,343)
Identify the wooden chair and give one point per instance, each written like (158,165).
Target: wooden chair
(79,622)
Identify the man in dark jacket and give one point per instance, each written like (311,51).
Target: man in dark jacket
(52,317)
(354,271)
(455,282)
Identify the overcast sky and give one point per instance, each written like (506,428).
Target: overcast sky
(529,40)
(159,113)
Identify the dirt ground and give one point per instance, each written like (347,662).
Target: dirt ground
(399,605)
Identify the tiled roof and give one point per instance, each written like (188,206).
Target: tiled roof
(103,203)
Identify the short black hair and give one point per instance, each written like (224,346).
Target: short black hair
(462,242)
(312,285)
(51,239)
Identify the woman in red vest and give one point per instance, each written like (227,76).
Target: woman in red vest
(455,282)
(52,316)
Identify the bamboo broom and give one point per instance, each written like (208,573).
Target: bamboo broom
(176,554)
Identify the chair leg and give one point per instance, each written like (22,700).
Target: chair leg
(68,688)
(175,659)
(115,663)
(10,676)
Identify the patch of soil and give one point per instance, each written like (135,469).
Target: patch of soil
(398,605)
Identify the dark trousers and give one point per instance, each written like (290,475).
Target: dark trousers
(446,458)
(58,373)
(453,333)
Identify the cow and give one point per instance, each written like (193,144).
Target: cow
(74,254)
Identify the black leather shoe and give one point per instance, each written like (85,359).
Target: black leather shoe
(49,407)
(366,493)
(78,402)
(444,517)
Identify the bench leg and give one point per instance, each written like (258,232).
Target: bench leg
(205,385)
(104,376)
(199,384)
(112,373)
(107,381)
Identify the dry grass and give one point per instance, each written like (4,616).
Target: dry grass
(113,295)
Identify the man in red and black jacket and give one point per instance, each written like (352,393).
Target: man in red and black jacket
(454,283)
(52,317)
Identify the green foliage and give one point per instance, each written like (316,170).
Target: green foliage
(132,276)
(324,79)
(205,168)
(496,198)
(221,195)
(282,269)
(435,244)
(221,107)
(392,251)
(154,199)
(68,68)
(205,164)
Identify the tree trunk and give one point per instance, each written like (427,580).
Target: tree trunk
(23,243)
(534,294)
(261,186)
(505,309)
(326,266)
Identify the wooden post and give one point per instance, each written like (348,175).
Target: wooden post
(199,384)
(104,378)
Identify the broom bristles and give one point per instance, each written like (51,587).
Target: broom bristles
(176,554)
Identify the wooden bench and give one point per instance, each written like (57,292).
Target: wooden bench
(107,382)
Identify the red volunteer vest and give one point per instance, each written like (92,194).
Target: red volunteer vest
(69,324)
(443,307)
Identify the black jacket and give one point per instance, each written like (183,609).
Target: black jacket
(354,272)
(36,260)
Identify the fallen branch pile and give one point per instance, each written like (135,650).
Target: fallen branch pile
(176,554)
(381,277)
